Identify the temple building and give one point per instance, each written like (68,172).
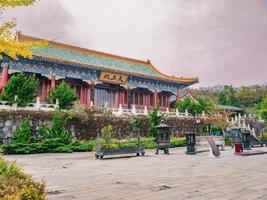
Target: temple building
(99,78)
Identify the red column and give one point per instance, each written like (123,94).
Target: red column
(48,86)
(128,99)
(120,97)
(127,94)
(155,98)
(82,94)
(89,95)
(4,78)
(86,95)
(177,94)
(117,101)
(44,91)
(92,93)
(53,82)
(147,100)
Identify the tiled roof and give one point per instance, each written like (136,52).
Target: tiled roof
(93,59)
(71,54)
(226,107)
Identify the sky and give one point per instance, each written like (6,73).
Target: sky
(218,41)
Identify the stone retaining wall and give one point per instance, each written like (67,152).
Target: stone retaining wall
(87,129)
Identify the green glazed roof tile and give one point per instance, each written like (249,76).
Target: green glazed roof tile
(71,54)
(93,59)
(226,107)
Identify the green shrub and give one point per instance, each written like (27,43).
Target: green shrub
(50,144)
(149,143)
(23,133)
(154,120)
(177,142)
(63,149)
(83,146)
(19,148)
(228,141)
(25,88)
(53,145)
(107,142)
(17,185)
(263,137)
(57,129)
(129,143)
(65,95)
(135,124)
(194,107)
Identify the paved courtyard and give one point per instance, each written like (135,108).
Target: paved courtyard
(177,176)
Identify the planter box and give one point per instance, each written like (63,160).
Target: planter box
(103,152)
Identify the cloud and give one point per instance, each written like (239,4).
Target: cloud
(46,18)
(221,42)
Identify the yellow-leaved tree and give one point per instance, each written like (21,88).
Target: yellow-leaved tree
(8,43)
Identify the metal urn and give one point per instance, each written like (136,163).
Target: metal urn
(163,137)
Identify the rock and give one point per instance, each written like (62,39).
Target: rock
(9,135)
(14,127)
(8,123)
(6,129)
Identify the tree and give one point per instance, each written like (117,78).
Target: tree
(25,88)
(263,110)
(154,120)
(194,107)
(250,98)
(65,95)
(8,44)
(23,133)
(57,129)
(228,96)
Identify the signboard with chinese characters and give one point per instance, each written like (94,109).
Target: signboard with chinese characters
(113,77)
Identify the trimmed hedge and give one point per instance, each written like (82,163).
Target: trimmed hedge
(17,185)
(53,145)
(56,146)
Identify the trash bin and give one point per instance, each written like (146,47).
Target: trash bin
(246,139)
(237,139)
(238,147)
(190,143)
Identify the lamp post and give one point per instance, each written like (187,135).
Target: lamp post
(190,143)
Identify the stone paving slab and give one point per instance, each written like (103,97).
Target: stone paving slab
(155,177)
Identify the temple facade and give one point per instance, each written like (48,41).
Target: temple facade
(100,79)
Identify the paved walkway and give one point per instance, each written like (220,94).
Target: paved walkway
(177,176)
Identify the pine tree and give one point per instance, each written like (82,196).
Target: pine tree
(65,95)
(23,133)
(25,88)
